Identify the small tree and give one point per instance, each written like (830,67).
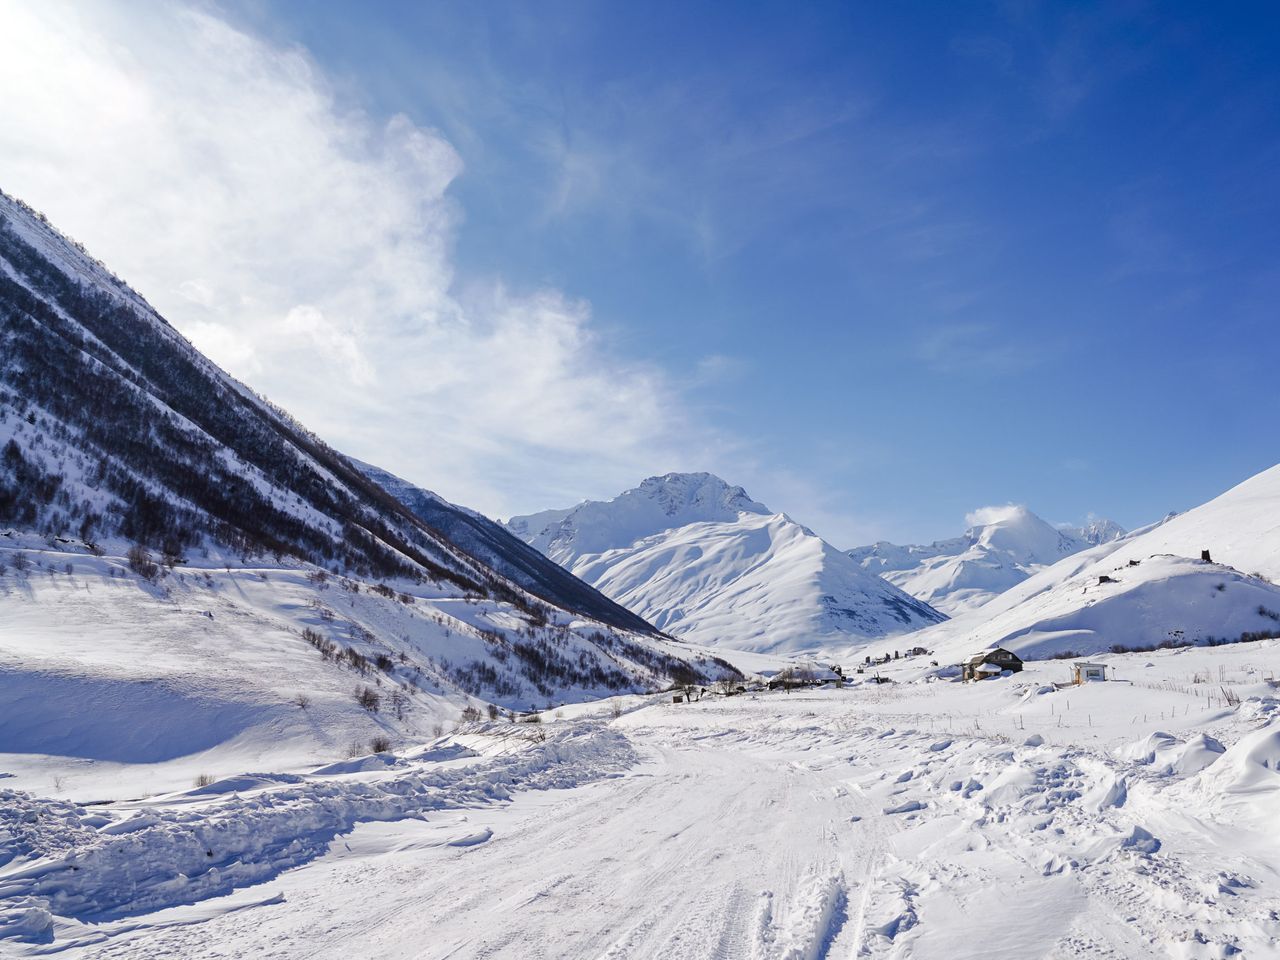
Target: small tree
(398,702)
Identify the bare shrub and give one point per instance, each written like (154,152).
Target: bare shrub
(140,562)
(204,780)
(302,700)
(368,698)
(380,744)
(320,642)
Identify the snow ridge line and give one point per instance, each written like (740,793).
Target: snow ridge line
(163,857)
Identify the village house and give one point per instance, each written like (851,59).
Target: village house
(990,663)
(1082,672)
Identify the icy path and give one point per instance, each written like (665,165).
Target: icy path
(784,827)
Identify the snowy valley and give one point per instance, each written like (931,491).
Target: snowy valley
(259,699)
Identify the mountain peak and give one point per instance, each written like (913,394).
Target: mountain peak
(700,559)
(1019,534)
(657,504)
(1099,530)
(1002,546)
(696,493)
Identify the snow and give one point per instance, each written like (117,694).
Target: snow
(187,773)
(114,686)
(658,504)
(1123,819)
(699,560)
(1002,547)
(1156,589)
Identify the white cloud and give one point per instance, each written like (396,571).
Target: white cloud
(306,247)
(984,516)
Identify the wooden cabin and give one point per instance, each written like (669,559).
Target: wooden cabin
(990,663)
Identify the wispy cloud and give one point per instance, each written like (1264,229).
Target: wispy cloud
(974,348)
(307,247)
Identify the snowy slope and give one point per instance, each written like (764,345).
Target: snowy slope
(1002,549)
(181,563)
(701,560)
(1157,590)
(504,552)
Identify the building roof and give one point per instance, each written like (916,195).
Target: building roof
(982,655)
(1086,663)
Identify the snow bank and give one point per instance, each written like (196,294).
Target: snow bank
(171,855)
(1251,766)
(1170,755)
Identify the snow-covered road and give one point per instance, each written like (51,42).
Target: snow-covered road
(795,826)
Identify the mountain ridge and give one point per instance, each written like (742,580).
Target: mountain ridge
(1001,548)
(700,559)
(501,550)
(210,545)
(1146,589)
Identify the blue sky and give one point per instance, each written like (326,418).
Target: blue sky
(885,263)
(927,255)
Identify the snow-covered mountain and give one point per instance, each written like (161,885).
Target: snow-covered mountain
(700,559)
(172,545)
(504,552)
(1002,547)
(1146,589)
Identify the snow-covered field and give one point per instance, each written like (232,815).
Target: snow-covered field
(919,818)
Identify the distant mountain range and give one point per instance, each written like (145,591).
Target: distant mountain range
(701,560)
(1003,547)
(1149,588)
